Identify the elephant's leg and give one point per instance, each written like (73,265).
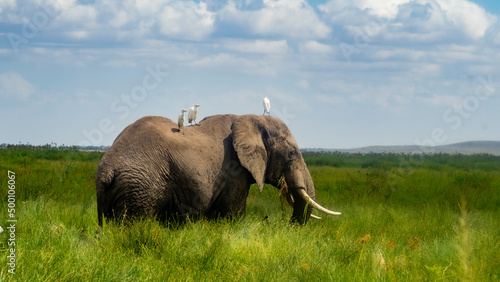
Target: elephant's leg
(231,201)
(130,201)
(190,200)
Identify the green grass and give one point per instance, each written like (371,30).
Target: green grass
(434,221)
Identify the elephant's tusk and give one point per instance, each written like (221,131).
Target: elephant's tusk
(312,215)
(315,205)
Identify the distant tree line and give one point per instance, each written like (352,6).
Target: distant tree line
(55,146)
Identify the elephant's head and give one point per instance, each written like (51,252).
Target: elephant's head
(267,149)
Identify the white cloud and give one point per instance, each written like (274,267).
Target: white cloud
(386,9)
(468,16)
(217,60)
(119,63)
(230,62)
(121,18)
(315,47)
(7,4)
(78,34)
(278,18)
(258,46)
(407,20)
(398,53)
(426,70)
(13,84)
(74,14)
(186,20)
(149,7)
(133,20)
(445,18)
(443,100)
(274,38)
(410,20)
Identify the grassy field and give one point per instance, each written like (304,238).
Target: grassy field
(404,218)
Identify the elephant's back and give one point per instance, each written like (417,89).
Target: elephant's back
(144,139)
(153,127)
(154,141)
(145,126)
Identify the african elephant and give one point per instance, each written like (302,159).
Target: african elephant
(152,169)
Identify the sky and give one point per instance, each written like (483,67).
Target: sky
(340,73)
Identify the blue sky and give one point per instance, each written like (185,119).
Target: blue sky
(340,73)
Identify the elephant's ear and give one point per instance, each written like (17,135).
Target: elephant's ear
(249,137)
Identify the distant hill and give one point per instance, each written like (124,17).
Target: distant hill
(471,147)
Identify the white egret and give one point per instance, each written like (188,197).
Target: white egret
(180,120)
(193,113)
(267,106)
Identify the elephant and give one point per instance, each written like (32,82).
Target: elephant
(152,170)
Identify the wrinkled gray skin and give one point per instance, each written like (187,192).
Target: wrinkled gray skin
(152,169)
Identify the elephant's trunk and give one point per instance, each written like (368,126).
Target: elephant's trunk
(299,192)
(303,192)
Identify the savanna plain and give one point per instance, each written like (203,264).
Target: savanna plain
(404,218)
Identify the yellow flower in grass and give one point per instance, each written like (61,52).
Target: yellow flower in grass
(364,240)
(414,243)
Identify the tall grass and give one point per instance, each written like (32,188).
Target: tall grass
(411,223)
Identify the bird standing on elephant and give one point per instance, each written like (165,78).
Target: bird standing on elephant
(151,171)
(193,114)
(180,119)
(267,106)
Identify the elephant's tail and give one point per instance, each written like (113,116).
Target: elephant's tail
(103,181)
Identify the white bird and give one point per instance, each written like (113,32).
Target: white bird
(193,113)
(267,106)
(180,120)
